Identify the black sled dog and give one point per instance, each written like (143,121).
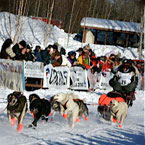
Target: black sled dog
(39,108)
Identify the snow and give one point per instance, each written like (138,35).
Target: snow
(95,131)
(110,24)
(33,32)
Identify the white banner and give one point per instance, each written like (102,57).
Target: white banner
(78,78)
(104,79)
(11,74)
(55,77)
(33,69)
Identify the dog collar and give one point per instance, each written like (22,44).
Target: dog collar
(19,96)
(116,112)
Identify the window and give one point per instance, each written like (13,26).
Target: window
(100,37)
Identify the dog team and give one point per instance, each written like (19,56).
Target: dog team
(67,104)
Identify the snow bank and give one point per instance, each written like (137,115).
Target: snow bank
(33,32)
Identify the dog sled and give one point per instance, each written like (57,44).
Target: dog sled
(105,99)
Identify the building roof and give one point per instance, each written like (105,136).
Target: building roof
(110,24)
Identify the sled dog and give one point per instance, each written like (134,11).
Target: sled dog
(58,107)
(71,109)
(16,109)
(39,108)
(118,111)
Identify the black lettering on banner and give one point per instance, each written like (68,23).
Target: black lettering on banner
(80,84)
(53,77)
(58,77)
(61,78)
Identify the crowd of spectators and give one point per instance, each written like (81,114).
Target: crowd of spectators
(56,55)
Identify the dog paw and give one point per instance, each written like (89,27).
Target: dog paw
(77,120)
(32,126)
(114,120)
(19,128)
(86,118)
(119,122)
(43,122)
(64,115)
(52,120)
(83,116)
(13,120)
(46,119)
(50,114)
(120,125)
(32,114)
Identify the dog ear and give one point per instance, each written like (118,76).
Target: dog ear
(16,94)
(9,96)
(30,98)
(33,96)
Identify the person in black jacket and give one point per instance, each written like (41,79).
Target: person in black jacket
(45,55)
(125,79)
(17,48)
(29,56)
(37,54)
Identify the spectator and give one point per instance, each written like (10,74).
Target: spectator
(29,55)
(17,48)
(45,55)
(56,58)
(80,51)
(23,54)
(37,54)
(6,50)
(72,58)
(83,58)
(60,48)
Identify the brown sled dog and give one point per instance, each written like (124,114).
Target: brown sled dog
(16,109)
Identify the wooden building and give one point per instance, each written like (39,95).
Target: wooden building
(111,32)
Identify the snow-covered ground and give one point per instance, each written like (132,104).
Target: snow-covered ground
(95,130)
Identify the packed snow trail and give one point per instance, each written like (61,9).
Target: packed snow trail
(94,131)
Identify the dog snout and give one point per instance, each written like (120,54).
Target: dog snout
(12,102)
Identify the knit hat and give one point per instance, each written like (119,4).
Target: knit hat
(54,47)
(80,49)
(22,43)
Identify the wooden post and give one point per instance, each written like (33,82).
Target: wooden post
(84,35)
(106,35)
(127,39)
